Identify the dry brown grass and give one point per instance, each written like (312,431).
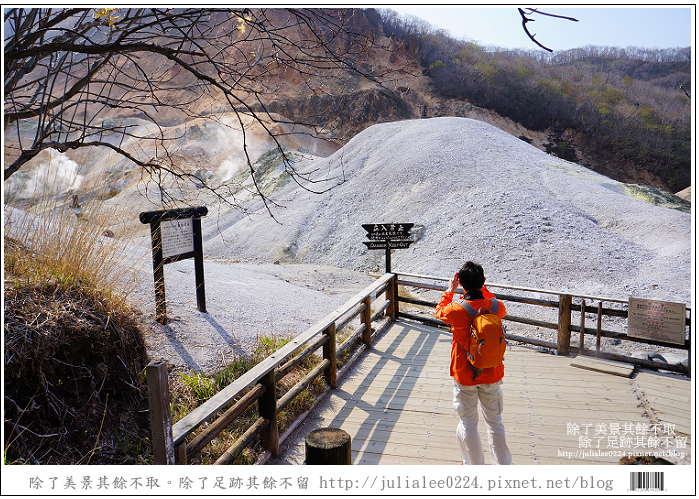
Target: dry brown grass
(57,245)
(74,353)
(74,390)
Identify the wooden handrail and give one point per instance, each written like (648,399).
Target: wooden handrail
(307,352)
(316,336)
(246,439)
(564,325)
(302,385)
(264,376)
(222,423)
(503,286)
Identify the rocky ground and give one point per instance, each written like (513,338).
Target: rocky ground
(244,302)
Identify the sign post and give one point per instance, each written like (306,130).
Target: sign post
(388,237)
(176,235)
(657,320)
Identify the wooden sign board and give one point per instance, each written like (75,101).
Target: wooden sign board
(657,320)
(177,237)
(388,237)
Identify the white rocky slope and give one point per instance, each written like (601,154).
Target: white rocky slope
(474,192)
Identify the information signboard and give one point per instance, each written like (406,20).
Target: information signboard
(177,237)
(657,320)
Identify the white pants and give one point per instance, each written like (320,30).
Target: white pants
(466,399)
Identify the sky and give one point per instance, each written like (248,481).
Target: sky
(619,26)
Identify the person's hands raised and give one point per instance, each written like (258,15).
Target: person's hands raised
(453,283)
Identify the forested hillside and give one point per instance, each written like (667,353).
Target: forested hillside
(623,112)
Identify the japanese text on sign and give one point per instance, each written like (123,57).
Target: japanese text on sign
(177,237)
(387,231)
(657,320)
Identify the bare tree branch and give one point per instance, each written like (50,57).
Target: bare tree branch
(76,78)
(525,20)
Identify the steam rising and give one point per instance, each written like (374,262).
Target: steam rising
(55,176)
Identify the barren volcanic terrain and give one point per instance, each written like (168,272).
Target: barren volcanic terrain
(473,191)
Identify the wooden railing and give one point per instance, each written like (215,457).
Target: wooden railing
(567,304)
(170,445)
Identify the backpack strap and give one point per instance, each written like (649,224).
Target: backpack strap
(472,311)
(469,309)
(494,306)
(476,371)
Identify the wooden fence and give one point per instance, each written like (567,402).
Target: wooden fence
(567,304)
(259,384)
(170,445)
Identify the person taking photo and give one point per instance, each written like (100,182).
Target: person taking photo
(474,387)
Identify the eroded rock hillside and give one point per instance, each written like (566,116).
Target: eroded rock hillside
(474,192)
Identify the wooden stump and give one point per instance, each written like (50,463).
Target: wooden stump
(328,446)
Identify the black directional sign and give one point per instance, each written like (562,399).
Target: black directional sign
(388,237)
(384,232)
(388,244)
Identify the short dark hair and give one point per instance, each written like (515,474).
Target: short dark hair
(471,276)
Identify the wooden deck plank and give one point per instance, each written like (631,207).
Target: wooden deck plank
(668,396)
(669,399)
(411,421)
(396,403)
(604,366)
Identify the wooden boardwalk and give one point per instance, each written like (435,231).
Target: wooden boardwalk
(396,403)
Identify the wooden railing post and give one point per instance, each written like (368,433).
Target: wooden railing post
(599,327)
(582,328)
(564,309)
(328,446)
(392,294)
(366,321)
(160,419)
(267,404)
(330,353)
(181,453)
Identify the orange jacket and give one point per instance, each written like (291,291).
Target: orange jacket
(455,315)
